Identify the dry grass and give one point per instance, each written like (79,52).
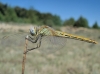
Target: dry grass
(76,57)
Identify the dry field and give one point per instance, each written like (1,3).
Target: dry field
(76,57)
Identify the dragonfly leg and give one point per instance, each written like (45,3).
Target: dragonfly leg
(38,45)
(33,40)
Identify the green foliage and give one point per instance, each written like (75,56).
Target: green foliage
(69,22)
(81,22)
(95,25)
(22,15)
(1,17)
(49,22)
(3,8)
(57,20)
(10,15)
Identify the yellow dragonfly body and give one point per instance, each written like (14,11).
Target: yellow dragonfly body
(46,30)
(39,32)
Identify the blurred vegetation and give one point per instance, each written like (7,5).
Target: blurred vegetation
(95,25)
(69,22)
(81,22)
(22,15)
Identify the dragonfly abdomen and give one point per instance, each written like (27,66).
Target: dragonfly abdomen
(62,34)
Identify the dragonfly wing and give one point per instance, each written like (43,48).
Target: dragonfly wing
(52,44)
(12,40)
(49,44)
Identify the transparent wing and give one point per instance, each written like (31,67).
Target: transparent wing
(12,40)
(51,44)
(16,41)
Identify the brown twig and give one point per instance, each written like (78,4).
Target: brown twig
(24,56)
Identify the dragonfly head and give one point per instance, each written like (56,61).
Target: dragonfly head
(33,31)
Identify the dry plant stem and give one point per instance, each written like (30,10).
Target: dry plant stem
(24,56)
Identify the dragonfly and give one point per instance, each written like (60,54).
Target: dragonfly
(37,33)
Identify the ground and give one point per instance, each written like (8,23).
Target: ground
(76,57)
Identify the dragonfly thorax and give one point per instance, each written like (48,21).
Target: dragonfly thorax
(33,31)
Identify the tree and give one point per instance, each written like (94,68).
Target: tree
(95,25)
(57,20)
(81,22)
(23,15)
(49,23)
(1,17)
(3,8)
(69,22)
(10,15)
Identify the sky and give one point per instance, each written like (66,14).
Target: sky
(89,9)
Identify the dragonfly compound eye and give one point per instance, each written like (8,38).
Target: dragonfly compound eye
(32,31)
